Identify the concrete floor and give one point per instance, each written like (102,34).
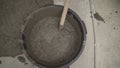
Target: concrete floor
(103,41)
(108,33)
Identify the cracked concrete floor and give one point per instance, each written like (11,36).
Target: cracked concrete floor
(103,31)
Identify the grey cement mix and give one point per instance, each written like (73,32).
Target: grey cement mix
(52,46)
(12,16)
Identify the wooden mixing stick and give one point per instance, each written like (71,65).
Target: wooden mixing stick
(62,21)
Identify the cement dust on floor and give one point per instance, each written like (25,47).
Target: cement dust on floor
(107,34)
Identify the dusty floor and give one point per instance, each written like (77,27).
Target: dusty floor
(102,47)
(12,16)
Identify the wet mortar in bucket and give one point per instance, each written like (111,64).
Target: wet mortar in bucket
(51,45)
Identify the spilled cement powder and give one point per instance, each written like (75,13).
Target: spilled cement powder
(51,45)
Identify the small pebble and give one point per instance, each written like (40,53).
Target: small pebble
(0,62)
(21,59)
(26,63)
(116,11)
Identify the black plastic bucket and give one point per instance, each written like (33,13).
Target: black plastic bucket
(42,13)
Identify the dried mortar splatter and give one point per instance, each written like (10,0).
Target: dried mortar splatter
(98,17)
